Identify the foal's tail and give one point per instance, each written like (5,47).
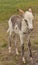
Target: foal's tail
(10,25)
(8,30)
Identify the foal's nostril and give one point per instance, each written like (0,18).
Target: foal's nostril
(31,29)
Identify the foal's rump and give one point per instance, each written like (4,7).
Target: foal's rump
(16,20)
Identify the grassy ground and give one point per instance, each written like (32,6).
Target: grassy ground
(8,8)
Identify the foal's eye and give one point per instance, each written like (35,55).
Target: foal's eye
(25,20)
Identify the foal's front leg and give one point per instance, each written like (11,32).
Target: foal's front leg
(29,46)
(22,46)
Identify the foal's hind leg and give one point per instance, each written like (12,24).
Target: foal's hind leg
(22,46)
(10,33)
(15,41)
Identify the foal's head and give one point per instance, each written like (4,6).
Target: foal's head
(28,16)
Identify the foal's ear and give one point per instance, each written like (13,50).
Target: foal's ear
(20,10)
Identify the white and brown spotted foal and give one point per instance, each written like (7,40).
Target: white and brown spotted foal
(21,25)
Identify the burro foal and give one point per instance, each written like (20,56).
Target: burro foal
(21,25)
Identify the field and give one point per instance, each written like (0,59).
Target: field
(7,9)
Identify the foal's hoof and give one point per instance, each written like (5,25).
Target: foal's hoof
(17,53)
(23,59)
(9,49)
(31,59)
